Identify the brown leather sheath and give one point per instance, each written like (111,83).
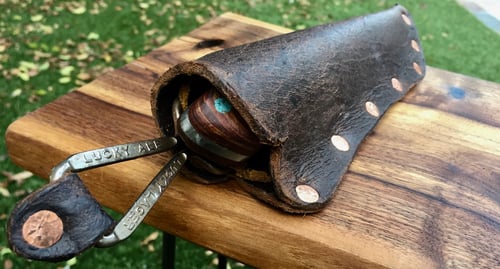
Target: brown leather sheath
(310,97)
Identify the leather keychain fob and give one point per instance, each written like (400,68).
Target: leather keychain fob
(284,116)
(62,219)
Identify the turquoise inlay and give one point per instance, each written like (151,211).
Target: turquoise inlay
(456,92)
(222,105)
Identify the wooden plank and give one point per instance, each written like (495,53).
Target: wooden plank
(423,191)
(458,94)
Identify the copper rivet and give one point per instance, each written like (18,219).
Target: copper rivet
(396,85)
(43,229)
(415,46)
(417,68)
(372,109)
(406,19)
(340,143)
(307,193)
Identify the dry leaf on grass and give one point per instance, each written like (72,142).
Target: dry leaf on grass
(150,238)
(4,192)
(19,178)
(8,264)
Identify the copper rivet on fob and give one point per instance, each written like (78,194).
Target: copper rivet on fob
(307,193)
(406,19)
(415,46)
(372,109)
(397,85)
(417,68)
(340,143)
(43,229)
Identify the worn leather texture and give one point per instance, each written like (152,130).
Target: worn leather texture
(72,202)
(310,96)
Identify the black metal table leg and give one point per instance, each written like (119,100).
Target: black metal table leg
(168,255)
(222,261)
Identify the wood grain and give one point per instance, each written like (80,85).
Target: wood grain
(422,192)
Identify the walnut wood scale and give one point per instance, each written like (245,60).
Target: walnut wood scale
(422,192)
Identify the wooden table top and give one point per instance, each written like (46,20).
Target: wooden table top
(422,192)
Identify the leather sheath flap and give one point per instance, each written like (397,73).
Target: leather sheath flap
(311,96)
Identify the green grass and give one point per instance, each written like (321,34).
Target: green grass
(47,50)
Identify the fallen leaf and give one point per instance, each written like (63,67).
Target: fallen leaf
(84,76)
(150,32)
(64,80)
(79,82)
(32,72)
(77,8)
(44,66)
(150,238)
(82,56)
(66,71)
(33,98)
(160,39)
(107,58)
(27,65)
(8,264)
(143,5)
(41,92)
(69,43)
(23,76)
(32,45)
(16,93)
(4,251)
(4,192)
(65,57)
(36,18)
(93,36)
(71,262)
(129,56)
(145,19)
(4,58)
(19,178)
(46,29)
(199,19)
(20,193)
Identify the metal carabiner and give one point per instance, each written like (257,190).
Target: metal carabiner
(143,204)
(109,155)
